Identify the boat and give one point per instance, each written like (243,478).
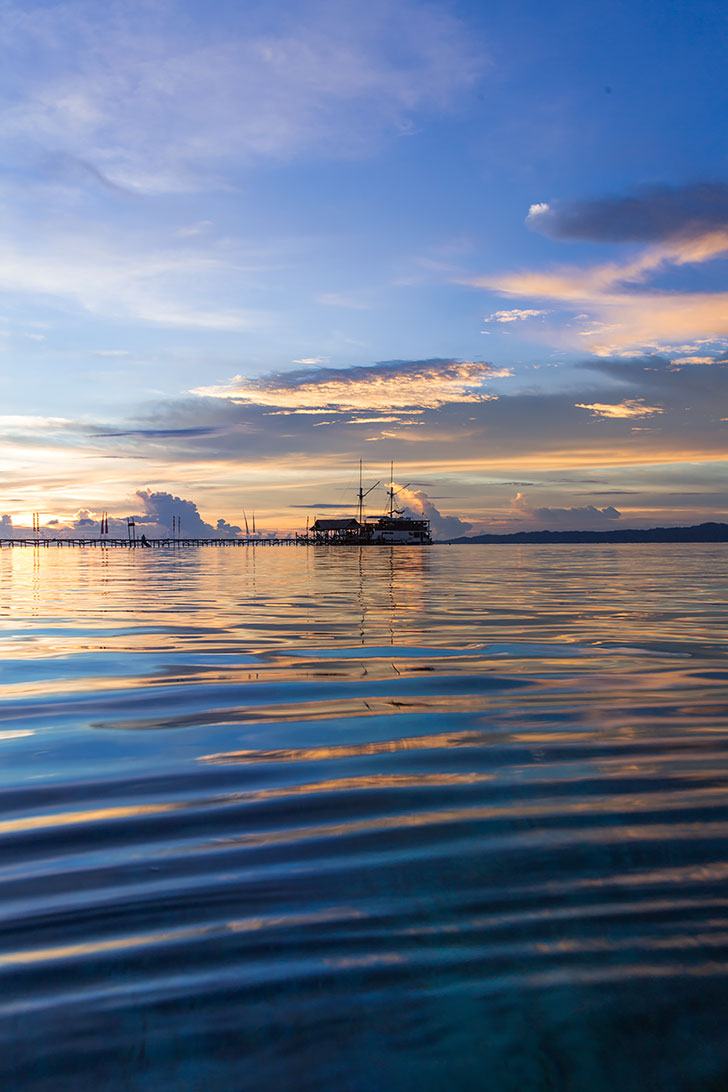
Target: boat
(393,528)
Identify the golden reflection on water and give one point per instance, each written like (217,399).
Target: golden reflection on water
(176,936)
(302,712)
(561,836)
(340,751)
(73,818)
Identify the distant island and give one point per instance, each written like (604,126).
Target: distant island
(700,532)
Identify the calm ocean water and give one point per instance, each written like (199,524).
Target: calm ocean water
(310,819)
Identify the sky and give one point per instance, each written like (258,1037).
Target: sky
(244,245)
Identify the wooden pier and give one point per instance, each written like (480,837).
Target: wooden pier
(149,543)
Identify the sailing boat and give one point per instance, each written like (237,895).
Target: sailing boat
(391,529)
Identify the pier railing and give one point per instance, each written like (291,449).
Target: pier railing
(153,543)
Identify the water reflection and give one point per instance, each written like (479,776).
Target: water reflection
(364,819)
(389,588)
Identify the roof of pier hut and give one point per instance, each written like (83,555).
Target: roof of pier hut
(349,524)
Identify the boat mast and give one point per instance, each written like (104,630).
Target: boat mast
(363,493)
(392,492)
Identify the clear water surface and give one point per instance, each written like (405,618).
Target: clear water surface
(310,819)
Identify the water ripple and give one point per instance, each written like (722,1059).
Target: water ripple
(364,820)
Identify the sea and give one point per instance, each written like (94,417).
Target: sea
(364,820)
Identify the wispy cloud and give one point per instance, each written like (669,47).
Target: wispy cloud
(385,419)
(678,361)
(341,299)
(105,109)
(151,100)
(629,408)
(29,422)
(515,315)
(572,284)
(121,276)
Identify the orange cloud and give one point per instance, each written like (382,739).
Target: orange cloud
(680,360)
(629,408)
(625,317)
(384,387)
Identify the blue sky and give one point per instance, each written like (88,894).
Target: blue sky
(219,220)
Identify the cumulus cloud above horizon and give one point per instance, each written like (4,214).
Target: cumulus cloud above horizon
(576,517)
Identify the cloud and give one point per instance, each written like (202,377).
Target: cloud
(201,227)
(160,507)
(220,451)
(652,213)
(227,530)
(538,209)
(387,435)
(586,516)
(32,421)
(523,431)
(572,284)
(417,504)
(678,361)
(156,520)
(516,315)
(384,419)
(154,99)
(629,408)
(157,433)
(340,299)
(321,504)
(622,308)
(389,385)
(106,106)
(120,276)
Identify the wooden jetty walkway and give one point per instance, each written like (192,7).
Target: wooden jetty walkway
(153,543)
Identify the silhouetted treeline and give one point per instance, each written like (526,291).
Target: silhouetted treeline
(701,532)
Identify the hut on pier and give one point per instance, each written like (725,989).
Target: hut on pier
(336,531)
